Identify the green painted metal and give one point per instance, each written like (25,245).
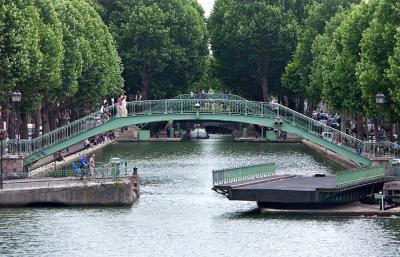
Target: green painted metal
(244,133)
(224,108)
(243,173)
(356,177)
(271,136)
(144,135)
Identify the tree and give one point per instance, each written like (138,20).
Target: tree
(19,54)
(376,69)
(393,74)
(210,79)
(297,73)
(341,88)
(252,42)
(91,68)
(53,51)
(163,44)
(322,51)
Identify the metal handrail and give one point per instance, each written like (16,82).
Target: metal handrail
(360,176)
(209,106)
(244,173)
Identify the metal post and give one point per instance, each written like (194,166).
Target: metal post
(197,106)
(1,162)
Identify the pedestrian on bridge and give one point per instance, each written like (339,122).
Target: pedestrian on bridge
(91,167)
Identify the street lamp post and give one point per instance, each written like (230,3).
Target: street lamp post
(380,99)
(16,99)
(197,106)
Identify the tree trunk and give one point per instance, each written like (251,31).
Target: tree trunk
(6,113)
(45,119)
(310,108)
(62,118)
(343,124)
(376,132)
(145,82)
(264,88)
(291,104)
(12,121)
(300,107)
(360,127)
(74,115)
(52,118)
(366,130)
(38,121)
(24,126)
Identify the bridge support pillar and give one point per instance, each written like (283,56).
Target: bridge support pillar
(171,132)
(244,132)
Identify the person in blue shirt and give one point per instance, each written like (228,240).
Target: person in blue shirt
(83,165)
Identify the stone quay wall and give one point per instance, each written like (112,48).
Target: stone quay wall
(112,193)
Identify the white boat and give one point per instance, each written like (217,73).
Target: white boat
(198,133)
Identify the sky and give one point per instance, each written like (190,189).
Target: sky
(207,5)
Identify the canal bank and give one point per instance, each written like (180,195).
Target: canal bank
(70,191)
(49,163)
(351,209)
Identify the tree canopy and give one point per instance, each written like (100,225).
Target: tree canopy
(162,43)
(59,54)
(252,42)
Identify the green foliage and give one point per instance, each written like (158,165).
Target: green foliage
(53,51)
(297,73)
(210,79)
(163,44)
(252,42)
(337,55)
(376,70)
(18,45)
(92,68)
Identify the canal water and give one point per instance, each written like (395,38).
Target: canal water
(179,215)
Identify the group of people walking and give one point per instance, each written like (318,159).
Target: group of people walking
(122,110)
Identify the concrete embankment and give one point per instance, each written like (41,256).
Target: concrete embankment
(351,209)
(74,193)
(339,159)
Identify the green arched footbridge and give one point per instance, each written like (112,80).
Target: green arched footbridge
(228,108)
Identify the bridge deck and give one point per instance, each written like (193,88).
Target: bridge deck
(292,190)
(294,183)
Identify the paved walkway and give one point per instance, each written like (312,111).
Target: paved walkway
(77,151)
(49,182)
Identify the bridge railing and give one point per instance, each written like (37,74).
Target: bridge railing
(205,105)
(217,96)
(327,133)
(356,177)
(244,173)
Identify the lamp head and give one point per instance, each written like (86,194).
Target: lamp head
(380,98)
(16,96)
